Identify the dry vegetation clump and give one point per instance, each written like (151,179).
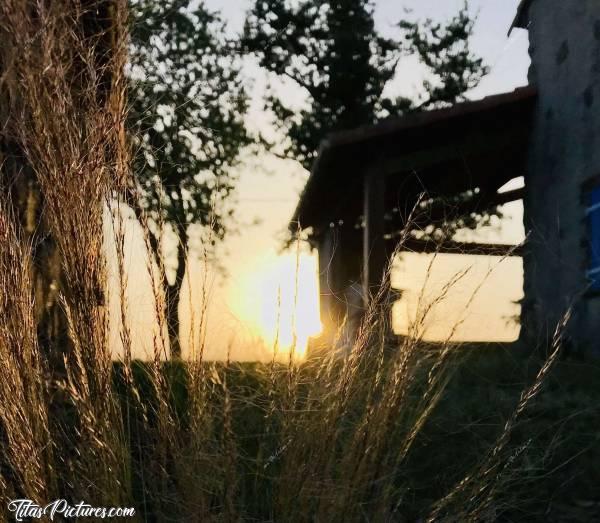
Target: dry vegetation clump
(325,440)
(64,93)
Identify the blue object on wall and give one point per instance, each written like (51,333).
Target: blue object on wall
(593,214)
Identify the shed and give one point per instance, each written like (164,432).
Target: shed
(366,182)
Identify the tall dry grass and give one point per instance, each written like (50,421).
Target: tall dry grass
(322,440)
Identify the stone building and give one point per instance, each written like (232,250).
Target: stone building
(368,184)
(562,195)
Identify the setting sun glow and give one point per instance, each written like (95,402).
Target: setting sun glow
(279,299)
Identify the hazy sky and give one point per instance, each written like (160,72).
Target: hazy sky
(243,306)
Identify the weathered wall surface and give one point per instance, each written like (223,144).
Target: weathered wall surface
(565,51)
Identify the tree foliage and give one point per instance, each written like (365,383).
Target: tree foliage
(334,52)
(188,107)
(188,103)
(445,50)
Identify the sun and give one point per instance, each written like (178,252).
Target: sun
(279,299)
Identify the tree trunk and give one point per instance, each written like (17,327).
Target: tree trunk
(172,316)
(20,185)
(21,188)
(173,291)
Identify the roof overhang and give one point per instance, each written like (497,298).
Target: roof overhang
(433,146)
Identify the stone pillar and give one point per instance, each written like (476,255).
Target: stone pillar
(564,158)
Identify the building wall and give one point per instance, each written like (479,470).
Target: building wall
(565,51)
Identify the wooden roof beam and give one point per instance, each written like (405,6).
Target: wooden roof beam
(453,247)
(441,211)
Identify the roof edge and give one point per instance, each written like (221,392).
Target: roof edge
(395,123)
(366,133)
(521,20)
